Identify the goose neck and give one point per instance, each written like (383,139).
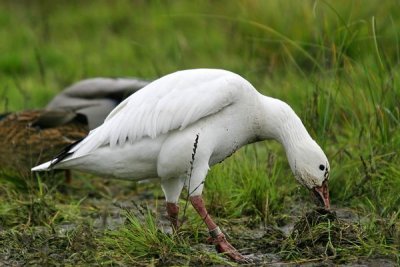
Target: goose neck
(281,123)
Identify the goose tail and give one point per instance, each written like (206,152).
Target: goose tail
(47,166)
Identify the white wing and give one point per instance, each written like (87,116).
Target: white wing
(169,103)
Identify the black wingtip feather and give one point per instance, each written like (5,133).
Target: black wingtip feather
(65,152)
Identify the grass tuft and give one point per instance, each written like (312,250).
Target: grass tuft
(42,246)
(141,242)
(320,234)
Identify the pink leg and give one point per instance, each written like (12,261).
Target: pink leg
(217,237)
(173,212)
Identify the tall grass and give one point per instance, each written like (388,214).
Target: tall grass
(247,184)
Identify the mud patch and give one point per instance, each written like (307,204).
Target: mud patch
(318,234)
(318,237)
(42,246)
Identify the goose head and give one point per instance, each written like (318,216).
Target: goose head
(308,162)
(311,168)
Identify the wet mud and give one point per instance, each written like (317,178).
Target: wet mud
(305,236)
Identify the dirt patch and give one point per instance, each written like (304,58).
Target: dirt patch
(42,246)
(318,237)
(318,233)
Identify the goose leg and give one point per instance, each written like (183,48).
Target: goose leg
(173,212)
(68,177)
(172,189)
(217,237)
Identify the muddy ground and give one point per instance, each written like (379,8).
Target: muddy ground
(104,208)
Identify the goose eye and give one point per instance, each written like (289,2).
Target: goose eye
(321,167)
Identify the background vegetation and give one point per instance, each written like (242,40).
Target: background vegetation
(335,62)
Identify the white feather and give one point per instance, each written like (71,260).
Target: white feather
(42,167)
(172,102)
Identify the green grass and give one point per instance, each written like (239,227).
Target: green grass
(325,236)
(253,185)
(43,247)
(335,62)
(141,242)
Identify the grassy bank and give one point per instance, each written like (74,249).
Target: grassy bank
(335,62)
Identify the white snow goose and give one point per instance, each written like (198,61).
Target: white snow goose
(153,133)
